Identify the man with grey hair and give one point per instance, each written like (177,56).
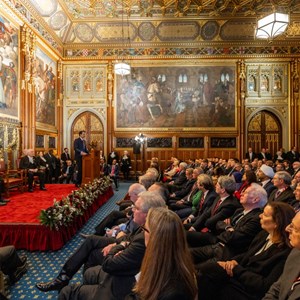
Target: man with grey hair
(118,217)
(283,192)
(234,236)
(204,229)
(97,249)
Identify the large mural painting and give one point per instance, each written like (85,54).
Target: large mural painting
(9,100)
(45,88)
(176,97)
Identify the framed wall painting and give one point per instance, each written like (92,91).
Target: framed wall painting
(179,97)
(45,76)
(191,142)
(223,142)
(9,69)
(39,141)
(52,142)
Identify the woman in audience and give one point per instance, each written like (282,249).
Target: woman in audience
(247,179)
(167,271)
(248,276)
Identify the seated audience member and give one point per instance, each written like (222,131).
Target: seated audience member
(203,230)
(28,162)
(181,191)
(208,196)
(99,250)
(287,167)
(236,234)
(113,172)
(167,265)
(295,181)
(248,276)
(11,264)
(171,170)
(118,217)
(247,179)
(296,203)
(265,175)
(178,179)
(67,172)
(238,179)
(283,192)
(147,180)
(160,188)
(279,167)
(288,285)
(296,168)
(218,171)
(188,205)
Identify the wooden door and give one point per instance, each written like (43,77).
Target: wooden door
(264,131)
(94,130)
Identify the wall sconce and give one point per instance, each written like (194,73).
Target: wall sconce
(272,25)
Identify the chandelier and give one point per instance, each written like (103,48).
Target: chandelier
(272,25)
(122,68)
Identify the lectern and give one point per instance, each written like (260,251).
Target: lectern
(91,166)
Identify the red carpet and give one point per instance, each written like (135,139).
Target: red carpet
(26,207)
(20,226)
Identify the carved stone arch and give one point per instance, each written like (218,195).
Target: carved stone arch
(264,130)
(91,122)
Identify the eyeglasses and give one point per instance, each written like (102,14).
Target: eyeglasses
(144,228)
(291,226)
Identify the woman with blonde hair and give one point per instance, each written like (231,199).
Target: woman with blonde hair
(167,270)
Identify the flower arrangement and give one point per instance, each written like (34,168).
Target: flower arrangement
(63,212)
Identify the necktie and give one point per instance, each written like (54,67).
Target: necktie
(216,207)
(113,170)
(237,218)
(277,194)
(67,172)
(201,202)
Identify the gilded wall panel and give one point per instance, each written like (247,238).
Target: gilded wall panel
(85,85)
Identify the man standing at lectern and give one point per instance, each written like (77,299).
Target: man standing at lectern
(80,150)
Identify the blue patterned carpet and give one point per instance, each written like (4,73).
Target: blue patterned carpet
(43,266)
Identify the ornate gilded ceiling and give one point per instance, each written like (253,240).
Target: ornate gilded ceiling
(96,25)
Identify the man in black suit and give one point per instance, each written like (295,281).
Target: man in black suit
(28,162)
(98,250)
(283,192)
(80,150)
(178,179)
(293,155)
(262,155)
(67,172)
(65,156)
(208,196)
(204,230)
(234,237)
(51,162)
(250,155)
(265,175)
(184,189)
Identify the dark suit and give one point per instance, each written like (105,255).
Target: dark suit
(292,156)
(286,196)
(79,146)
(281,289)
(269,188)
(208,202)
(208,220)
(116,277)
(26,165)
(262,156)
(250,158)
(51,161)
(252,277)
(231,243)
(65,156)
(67,174)
(184,189)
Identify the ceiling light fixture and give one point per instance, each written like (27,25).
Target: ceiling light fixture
(122,68)
(272,25)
